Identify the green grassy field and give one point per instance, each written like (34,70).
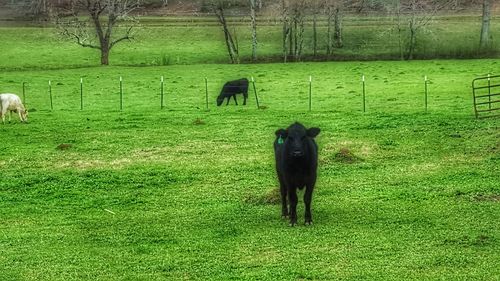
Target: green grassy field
(185,193)
(189,193)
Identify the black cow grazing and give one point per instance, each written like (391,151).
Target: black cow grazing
(231,88)
(296,155)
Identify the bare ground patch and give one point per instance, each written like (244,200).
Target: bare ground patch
(271,197)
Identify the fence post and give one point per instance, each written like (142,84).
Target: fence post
(206,91)
(426,81)
(24,93)
(121,93)
(489,91)
(364,93)
(81,93)
(50,96)
(255,92)
(161,93)
(310,92)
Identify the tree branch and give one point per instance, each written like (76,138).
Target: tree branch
(79,40)
(126,37)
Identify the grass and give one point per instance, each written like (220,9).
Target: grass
(184,193)
(189,193)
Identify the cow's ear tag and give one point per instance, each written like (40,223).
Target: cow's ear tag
(280,140)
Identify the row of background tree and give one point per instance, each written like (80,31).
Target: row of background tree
(96,30)
(41,9)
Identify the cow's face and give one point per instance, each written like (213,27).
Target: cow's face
(296,139)
(24,115)
(220,99)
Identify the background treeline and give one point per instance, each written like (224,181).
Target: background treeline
(268,31)
(42,8)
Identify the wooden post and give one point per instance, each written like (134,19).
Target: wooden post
(81,93)
(489,91)
(364,93)
(255,92)
(121,93)
(426,92)
(50,96)
(24,93)
(206,92)
(310,92)
(161,93)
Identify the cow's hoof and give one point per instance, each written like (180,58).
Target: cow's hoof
(292,224)
(283,217)
(308,223)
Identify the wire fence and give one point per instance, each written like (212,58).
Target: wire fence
(309,94)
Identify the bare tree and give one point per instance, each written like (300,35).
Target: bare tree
(333,10)
(36,9)
(286,28)
(486,37)
(293,18)
(218,7)
(254,29)
(298,18)
(315,6)
(101,25)
(411,17)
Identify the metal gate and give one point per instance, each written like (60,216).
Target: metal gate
(486,93)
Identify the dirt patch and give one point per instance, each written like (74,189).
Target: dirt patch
(198,121)
(478,197)
(272,197)
(346,156)
(487,198)
(468,241)
(64,146)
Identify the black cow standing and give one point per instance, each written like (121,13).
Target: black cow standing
(231,88)
(296,155)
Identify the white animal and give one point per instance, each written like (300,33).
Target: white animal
(11,102)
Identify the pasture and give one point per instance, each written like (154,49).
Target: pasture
(189,193)
(185,193)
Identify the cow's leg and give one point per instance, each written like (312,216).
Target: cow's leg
(307,202)
(245,96)
(20,115)
(10,115)
(283,192)
(228,99)
(235,101)
(2,113)
(292,197)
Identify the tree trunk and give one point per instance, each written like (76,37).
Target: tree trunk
(400,31)
(291,30)
(329,34)
(295,37)
(315,35)
(254,30)
(104,55)
(286,29)
(338,29)
(300,39)
(231,47)
(485,27)
(413,40)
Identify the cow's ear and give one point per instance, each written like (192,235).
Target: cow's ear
(313,132)
(281,133)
